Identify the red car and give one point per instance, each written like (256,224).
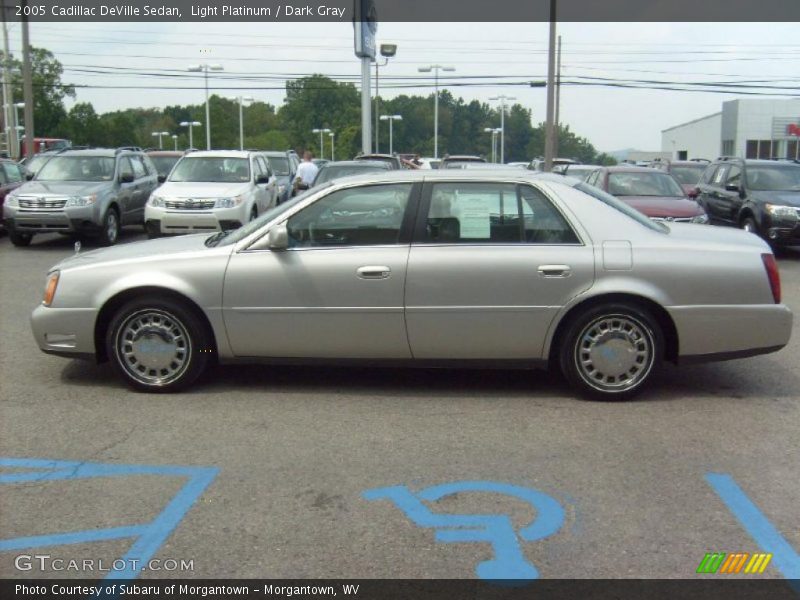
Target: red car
(11,177)
(650,191)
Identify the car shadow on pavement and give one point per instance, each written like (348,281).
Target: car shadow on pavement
(54,241)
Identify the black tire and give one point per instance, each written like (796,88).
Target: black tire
(610,351)
(110,228)
(254,213)
(20,240)
(184,345)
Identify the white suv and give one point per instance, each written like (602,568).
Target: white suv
(213,190)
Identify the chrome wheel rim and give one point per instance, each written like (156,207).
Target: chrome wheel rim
(153,347)
(614,353)
(112,226)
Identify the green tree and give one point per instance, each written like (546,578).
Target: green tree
(82,124)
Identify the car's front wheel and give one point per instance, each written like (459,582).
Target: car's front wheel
(110,228)
(20,239)
(158,345)
(610,351)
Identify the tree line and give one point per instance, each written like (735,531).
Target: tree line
(311,102)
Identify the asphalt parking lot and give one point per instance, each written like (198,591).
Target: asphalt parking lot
(282,472)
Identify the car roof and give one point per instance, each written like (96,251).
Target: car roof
(110,152)
(357,163)
(478,175)
(222,154)
(631,169)
(164,153)
(274,153)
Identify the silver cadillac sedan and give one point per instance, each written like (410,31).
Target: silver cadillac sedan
(501,268)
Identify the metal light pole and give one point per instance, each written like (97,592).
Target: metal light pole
(387,51)
(494,131)
(27,87)
(8,92)
(391,119)
(241,100)
(435,69)
(158,134)
(549,140)
(190,125)
(557,119)
(205,68)
(321,140)
(175,141)
(330,135)
(502,99)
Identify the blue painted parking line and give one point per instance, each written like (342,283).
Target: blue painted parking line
(509,562)
(784,558)
(148,536)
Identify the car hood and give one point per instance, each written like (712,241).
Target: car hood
(200,189)
(159,249)
(787,198)
(65,188)
(663,206)
(704,234)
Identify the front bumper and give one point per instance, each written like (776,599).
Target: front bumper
(165,221)
(78,219)
(730,331)
(65,331)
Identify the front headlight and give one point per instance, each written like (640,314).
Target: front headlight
(228,202)
(11,200)
(50,288)
(156,201)
(781,211)
(81,200)
(702,219)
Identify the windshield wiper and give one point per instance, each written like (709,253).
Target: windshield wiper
(214,239)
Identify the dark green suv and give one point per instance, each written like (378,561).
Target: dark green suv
(92,192)
(760,196)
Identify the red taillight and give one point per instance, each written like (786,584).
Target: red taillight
(774,277)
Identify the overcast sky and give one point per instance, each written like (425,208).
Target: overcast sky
(258,55)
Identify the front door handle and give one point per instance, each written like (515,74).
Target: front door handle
(373,272)
(555,270)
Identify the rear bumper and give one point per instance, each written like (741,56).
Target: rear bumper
(708,333)
(65,331)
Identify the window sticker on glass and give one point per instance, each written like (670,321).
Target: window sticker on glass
(475,217)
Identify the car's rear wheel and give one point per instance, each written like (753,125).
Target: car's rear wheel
(20,239)
(610,351)
(109,231)
(158,345)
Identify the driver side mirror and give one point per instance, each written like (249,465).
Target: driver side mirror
(262,178)
(28,176)
(732,187)
(694,193)
(162,178)
(126,178)
(278,238)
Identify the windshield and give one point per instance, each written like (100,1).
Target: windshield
(211,169)
(36,163)
(774,178)
(643,183)
(77,168)
(225,238)
(688,175)
(620,206)
(279,164)
(164,164)
(331,173)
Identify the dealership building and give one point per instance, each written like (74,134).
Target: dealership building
(749,128)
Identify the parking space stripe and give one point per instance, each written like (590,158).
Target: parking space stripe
(74,537)
(786,559)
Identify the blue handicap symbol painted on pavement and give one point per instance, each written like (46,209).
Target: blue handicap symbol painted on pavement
(509,561)
(147,537)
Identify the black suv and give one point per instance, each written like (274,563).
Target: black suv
(760,196)
(90,192)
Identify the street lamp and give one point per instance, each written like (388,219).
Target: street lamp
(321,141)
(241,100)
(391,119)
(330,135)
(175,141)
(387,51)
(494,131)
(205,68)
(190,125)
(435,69)
(502,98)
(158,134)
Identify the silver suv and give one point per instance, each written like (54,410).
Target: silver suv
(83,192)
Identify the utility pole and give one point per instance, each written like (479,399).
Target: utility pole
(549,140)
(558,99)
(27,85)
(9,111)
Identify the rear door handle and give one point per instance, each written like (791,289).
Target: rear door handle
(374,272)
(555,270)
